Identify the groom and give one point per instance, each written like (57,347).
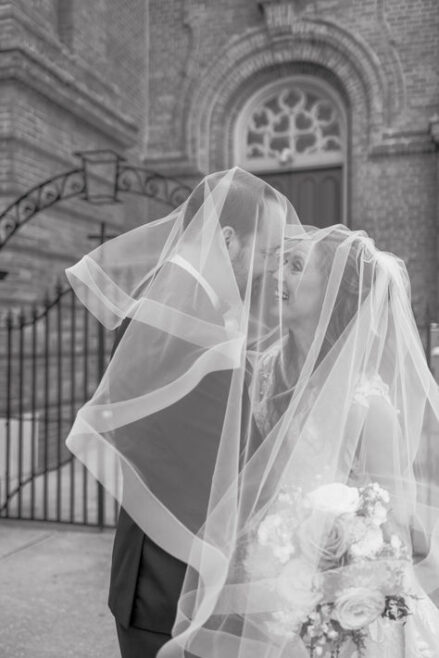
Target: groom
(146,581)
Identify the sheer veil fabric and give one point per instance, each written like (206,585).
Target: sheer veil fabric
(189,307)
(328,384)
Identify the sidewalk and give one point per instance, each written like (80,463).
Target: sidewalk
(53,592)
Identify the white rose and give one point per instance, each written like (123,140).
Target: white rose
(323,542)
(357,607)
(335,498)
(298,584)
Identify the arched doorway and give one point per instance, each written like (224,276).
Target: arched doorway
(293,134)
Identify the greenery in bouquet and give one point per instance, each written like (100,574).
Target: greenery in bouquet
(334,562)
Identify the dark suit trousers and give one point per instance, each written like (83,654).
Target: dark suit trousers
(139,643)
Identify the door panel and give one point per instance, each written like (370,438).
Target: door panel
(315,194)
(306,196)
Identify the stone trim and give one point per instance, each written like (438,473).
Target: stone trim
(403,143)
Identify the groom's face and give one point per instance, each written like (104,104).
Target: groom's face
(268,241)
(257,254)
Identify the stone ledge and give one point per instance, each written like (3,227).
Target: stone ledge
(402,143)
(16,24)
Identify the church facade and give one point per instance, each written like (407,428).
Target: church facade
(72,79)
(335,102)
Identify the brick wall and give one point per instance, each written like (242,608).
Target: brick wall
(203,61)
(68,74)
(207,58)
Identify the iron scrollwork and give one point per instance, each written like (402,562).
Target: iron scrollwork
(143,182)
(128,179)
(39,198)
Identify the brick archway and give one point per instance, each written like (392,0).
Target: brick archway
(371,86)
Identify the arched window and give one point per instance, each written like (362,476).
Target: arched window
(293,134)
(295,122)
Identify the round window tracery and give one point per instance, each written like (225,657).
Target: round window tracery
(294,125)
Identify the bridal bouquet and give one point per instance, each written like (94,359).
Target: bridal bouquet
(333,563)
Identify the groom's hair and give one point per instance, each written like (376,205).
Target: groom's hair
(243,204)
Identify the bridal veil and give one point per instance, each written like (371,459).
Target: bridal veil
(359,408)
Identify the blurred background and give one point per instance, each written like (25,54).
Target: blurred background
(111,111)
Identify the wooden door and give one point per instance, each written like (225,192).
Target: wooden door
(316,194)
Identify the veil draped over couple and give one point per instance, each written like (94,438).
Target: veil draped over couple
(269,424)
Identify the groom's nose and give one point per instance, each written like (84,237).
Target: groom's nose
(274,267)
(273,263)
(274,271)
(271,266)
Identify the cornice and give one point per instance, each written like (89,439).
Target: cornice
(63,89)
(17,28)
(42,63)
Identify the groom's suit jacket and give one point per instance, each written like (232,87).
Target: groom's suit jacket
(146,581)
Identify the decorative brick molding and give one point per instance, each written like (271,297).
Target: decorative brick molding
(281,13)
(407,142)
(404,142)
(331,50)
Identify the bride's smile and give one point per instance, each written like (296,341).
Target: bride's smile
(300,286)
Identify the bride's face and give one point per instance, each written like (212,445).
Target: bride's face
(302,285)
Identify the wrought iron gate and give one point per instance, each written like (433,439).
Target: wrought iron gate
(52,357)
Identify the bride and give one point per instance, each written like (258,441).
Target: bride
(316,528)
(333,551)
(351,525)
